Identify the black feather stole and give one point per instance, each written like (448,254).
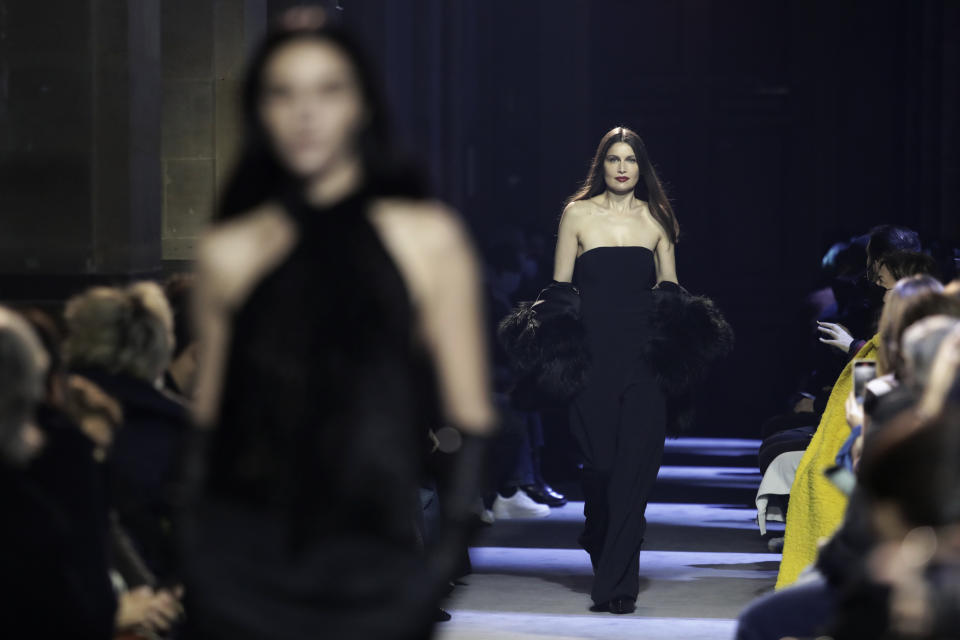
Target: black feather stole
(688,333)
(546,343)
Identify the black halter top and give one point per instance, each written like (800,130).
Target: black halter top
(328,394)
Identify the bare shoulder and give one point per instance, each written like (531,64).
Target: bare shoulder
(647,216)
(429,225)
(579,208)
(233,255)
(243,231)
(575,213)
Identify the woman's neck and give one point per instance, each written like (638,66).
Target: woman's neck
(335,183)
(618,202)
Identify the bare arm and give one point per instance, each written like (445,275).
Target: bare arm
(230,262)
(567,244)
(452,321)
(213,334)
(666,262)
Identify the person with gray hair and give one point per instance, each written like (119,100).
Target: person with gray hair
(125,331)
(23,364)
(924,325)
(45,577)
(921,343)
(122,339)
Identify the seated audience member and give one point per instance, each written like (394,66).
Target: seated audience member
(516,490)
(50,587)
(78,421)
(889,269)
(909,587)
(891,253)
(122,339)
(805,609)
(857,305)
(180,376)
(816,507)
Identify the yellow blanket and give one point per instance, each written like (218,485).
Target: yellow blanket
(816,507)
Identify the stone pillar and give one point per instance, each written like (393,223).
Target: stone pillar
(79,139)
(205,48)
(125,151)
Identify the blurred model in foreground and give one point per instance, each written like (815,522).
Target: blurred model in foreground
(339,318)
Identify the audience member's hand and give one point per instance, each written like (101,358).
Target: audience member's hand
(96,413)
(901,565)
(144,607)
(836,335)
(854,411)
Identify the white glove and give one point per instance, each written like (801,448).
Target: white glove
(835,335)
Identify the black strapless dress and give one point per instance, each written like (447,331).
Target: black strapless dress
(619,419)
(303,525)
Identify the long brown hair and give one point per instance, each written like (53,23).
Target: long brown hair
(648,189)
(908,300)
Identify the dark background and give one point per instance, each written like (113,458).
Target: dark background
(778,128)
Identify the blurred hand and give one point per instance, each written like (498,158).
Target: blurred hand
(901,565)
(854,411)
(144,607)
(93,410)
(805,405)
(836,335)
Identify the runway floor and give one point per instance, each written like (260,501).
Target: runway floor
(703,561)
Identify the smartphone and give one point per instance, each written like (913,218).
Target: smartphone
(864,371)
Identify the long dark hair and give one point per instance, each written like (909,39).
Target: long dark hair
(648,188)
(259,175)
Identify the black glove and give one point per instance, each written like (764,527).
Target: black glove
(672,287)
(558,299)
(460,468)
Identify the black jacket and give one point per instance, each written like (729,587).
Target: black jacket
(52,583)
(145,465)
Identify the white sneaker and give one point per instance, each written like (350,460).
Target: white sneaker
(519,505)
(487,517)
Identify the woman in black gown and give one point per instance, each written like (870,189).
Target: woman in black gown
(616,238)
(331,341)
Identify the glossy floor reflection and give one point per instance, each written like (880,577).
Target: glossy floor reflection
(702,562)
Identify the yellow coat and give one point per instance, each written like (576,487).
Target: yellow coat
(816,507)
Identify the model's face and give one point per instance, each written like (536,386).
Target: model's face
(311,106)
(620,168)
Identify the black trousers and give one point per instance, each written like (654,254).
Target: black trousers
(621,439)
